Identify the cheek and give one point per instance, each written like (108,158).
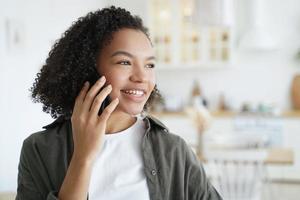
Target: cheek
(152,80)
(117,81)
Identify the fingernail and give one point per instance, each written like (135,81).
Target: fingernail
(102,78)
(86,83)
(109,86)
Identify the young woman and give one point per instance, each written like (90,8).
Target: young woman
(98,79)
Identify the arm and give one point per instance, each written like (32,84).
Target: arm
(76,182)
(88,131)
(26,187)
(30,183)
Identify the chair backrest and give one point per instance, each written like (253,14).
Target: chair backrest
(236,174)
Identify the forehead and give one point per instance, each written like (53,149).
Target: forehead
(130,40)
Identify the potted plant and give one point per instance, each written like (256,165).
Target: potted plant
(295,88)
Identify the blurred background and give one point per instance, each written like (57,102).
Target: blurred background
(228,72)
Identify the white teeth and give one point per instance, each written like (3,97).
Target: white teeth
(134,92)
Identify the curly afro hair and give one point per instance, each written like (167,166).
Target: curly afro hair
(72,59)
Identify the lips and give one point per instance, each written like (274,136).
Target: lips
(137,92)
(136,95)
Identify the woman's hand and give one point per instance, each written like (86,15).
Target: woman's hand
(88,127)
(88,130)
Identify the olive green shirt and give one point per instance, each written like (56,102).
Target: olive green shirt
(172,170)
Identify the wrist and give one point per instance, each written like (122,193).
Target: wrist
(82,161)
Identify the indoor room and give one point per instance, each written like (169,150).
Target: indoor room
(227,75)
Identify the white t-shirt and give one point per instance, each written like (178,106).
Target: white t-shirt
(118,172)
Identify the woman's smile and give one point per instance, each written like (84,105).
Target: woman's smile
(128,66)
(136,95)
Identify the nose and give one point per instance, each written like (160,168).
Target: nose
(139,74)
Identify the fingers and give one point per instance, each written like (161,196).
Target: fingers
(108,110)
(90,95)
(79,99)
(98,100)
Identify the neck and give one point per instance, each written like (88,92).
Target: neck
(119,121)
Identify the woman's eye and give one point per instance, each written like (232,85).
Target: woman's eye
(150,65)
(124,62)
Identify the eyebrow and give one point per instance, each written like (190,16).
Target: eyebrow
(129,55)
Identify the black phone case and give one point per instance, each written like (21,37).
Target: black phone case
(106,101)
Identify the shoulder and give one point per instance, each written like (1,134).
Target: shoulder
(53,136)
(163,137)
(44,159)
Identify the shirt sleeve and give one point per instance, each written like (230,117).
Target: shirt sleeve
(199,187)
(27,186)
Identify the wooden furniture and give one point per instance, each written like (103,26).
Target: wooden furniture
(275,156)
(280,156)
(287,114)
(237,174)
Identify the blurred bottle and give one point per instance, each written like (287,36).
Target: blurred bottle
(295,92)
(223,105)
(197,98)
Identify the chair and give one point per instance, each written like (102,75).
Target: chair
(237,174)
(235,156)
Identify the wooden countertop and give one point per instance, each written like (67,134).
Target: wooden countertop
(280,156)
(285,114)
(275,156)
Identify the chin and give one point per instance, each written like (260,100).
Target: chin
(132,110)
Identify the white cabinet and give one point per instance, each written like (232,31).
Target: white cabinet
(291,139)
(288,134)
(182,39)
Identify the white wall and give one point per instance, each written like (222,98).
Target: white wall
(42,22)
(255,76)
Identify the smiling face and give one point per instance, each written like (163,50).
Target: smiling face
(128,65)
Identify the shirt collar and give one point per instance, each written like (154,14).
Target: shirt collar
(57,121)
(150,120)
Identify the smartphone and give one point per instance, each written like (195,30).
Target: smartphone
(105,103)
(107,100)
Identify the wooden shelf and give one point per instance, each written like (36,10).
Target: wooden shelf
(280,156)
(275,156)
(221,114)
(291,113)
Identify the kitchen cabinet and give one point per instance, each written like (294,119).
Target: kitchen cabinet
(286,135)
(183,40)
(291,139)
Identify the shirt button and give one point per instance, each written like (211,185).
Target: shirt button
(153,172)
